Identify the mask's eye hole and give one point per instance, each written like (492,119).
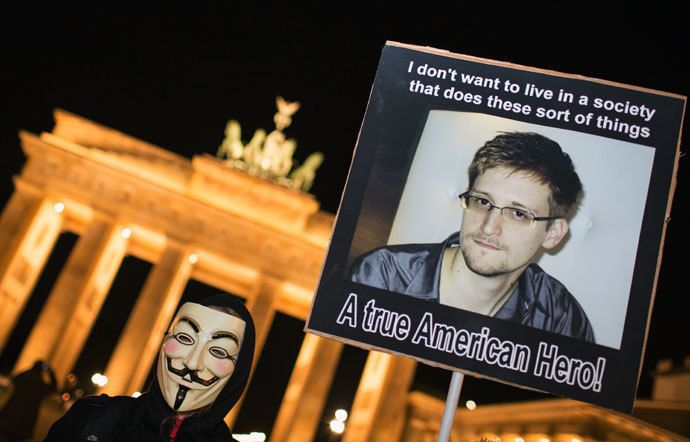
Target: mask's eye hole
(184,338)
(218,352)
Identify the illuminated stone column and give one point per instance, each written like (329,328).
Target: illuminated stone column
(567,437)
(141,338)
(261,306)
(536,437)
(67,316)
(415,430)
(510,436)
(29,227)
(262,309)
(307,390)
(378,412)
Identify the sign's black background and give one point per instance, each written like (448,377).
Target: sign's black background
(383,136)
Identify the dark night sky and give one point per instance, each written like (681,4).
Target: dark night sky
(174,76)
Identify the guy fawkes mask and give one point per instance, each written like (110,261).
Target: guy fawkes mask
(198,356)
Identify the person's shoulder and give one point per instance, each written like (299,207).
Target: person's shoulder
(101,401)
(223,433)
(394,267)
(545,284)
(87,412)
(393,258)
(554,298)
(398,251)
(549,291)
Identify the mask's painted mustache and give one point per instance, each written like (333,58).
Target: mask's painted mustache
(182,372)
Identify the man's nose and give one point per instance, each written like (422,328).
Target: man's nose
(493,222)
(194,360)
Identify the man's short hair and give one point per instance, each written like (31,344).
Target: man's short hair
(537,156)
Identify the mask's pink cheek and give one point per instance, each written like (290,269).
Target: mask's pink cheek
(172,348)
(222,367)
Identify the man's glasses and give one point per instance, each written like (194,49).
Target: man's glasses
(482,206)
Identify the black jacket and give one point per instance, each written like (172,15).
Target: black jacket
(148,417)
(538,300)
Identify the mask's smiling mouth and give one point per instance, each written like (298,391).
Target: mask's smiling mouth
(192,376)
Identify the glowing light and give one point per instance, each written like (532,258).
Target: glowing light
(193,258)
(99,379)
(254,436)
(543,439)
(136,394)
(59,207)
(575,440)
(337,426)
(519,439)
(341,415)
(126,232)
(65,396)
(471,405)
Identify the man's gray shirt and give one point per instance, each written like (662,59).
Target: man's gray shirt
(538,300)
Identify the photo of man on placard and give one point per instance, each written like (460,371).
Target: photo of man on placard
(522,187)
(512,217)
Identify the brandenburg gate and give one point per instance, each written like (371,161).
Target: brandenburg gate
(191,219)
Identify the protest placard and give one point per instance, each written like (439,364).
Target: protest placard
(504,221)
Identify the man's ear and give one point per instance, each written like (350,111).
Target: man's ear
(555,233)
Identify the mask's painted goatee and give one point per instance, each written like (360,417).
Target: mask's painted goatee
(181,394)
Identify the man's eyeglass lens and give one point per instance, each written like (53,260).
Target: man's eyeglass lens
(482,206)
